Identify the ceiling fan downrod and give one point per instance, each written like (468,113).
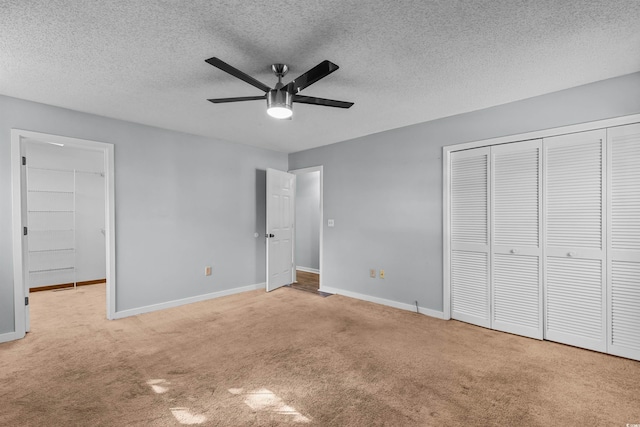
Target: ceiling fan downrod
(279,102)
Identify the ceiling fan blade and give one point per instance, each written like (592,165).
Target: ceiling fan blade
(318,72)
(321,101)
(237,99)
(237,73)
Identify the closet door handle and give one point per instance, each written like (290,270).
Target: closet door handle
(269,235)
(515,251)
(571,254)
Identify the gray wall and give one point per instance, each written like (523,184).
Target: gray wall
(182,202)
(308,220)
(384,191)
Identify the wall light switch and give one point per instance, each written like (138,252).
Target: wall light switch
(330,223)
(382,274)
(207,271)
(372,273)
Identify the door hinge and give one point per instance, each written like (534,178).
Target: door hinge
(26,300)
(24,231)
(24,161)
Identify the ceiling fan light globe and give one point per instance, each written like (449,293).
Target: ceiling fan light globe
(279,112)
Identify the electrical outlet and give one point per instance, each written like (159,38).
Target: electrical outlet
(382,274)
(207,271)
(372,273)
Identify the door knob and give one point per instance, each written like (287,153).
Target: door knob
(269,235)
(571,254)
(514,251)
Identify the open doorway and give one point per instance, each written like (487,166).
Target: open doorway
(65,216)
(63,213)
(308,226)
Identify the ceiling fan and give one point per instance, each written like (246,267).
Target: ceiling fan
(280,98)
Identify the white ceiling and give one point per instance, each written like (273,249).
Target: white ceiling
(401,62)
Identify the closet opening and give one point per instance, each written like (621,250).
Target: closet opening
(541,234)
(64,245)
(66,217)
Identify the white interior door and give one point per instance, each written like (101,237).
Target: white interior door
(624,240)
(575,287)
(280,228)
(516,185)
(470,255)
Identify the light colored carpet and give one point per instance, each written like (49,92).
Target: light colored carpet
(294,358)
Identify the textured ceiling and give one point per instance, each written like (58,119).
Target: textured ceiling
(401,62)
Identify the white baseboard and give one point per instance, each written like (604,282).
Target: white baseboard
(308,269)
(190,300)
(10,336)
(403,306)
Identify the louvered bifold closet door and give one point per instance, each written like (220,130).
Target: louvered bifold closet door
(516,212)
(469,195)
(624,240)
(575,309)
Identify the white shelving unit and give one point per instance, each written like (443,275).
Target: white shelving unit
(51,217)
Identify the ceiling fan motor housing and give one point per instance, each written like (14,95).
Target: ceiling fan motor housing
(279,98)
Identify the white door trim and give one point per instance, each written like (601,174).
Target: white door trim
(446,163)
(309,170)
(17,143)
